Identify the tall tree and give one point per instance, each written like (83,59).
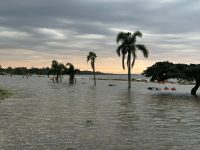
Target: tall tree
(91,57)
(127,46)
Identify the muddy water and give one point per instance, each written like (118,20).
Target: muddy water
(58,116)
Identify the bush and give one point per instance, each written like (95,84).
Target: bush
(5,93)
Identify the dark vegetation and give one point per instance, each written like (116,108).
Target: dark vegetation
(59,69)
(71,71)
(24,71)
(161,71)
(86,72)
(37,71)
(4,93)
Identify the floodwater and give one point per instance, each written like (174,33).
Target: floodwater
(57,116)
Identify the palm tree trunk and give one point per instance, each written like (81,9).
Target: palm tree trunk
(94,76)
(71,78)
(60,78)
(57,76)
(194,90)
(129,70)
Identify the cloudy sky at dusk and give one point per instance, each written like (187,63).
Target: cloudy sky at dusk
(34,32)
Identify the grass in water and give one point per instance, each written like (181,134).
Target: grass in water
(5,93)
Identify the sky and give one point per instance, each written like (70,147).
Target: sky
(34,32)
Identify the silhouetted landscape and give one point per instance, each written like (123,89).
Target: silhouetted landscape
(99,75)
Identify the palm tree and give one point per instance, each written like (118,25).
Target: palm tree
(60,70)
(57,70)
(91,57)
(70,69)
(128,46)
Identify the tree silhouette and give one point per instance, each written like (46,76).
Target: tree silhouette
(91,57)
(162,71)
(57,69)
(71,71)
(127,46)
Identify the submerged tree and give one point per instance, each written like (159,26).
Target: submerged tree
(161,71)
(71,71)
(57,69)
(193,74)
(128,46)
(91,57)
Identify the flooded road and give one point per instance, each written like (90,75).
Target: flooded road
(57,116)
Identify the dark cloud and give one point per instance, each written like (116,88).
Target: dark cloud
(75,26)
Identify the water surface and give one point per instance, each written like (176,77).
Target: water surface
(58,116)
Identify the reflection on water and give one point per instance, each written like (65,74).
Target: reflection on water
(47,115)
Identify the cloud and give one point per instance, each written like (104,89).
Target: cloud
(53,33)
(10,33)
(72,28)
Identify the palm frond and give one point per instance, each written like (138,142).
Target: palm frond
(70,69)
(121,36)
(88,58)
(133,39)
(54,64)
(118,50)
(127,62)
(91,56)
(69,64)
(123,58)
(144,50)
(134,57)
(128,59)
(137,34)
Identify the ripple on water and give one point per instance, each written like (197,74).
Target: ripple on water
(46,115)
